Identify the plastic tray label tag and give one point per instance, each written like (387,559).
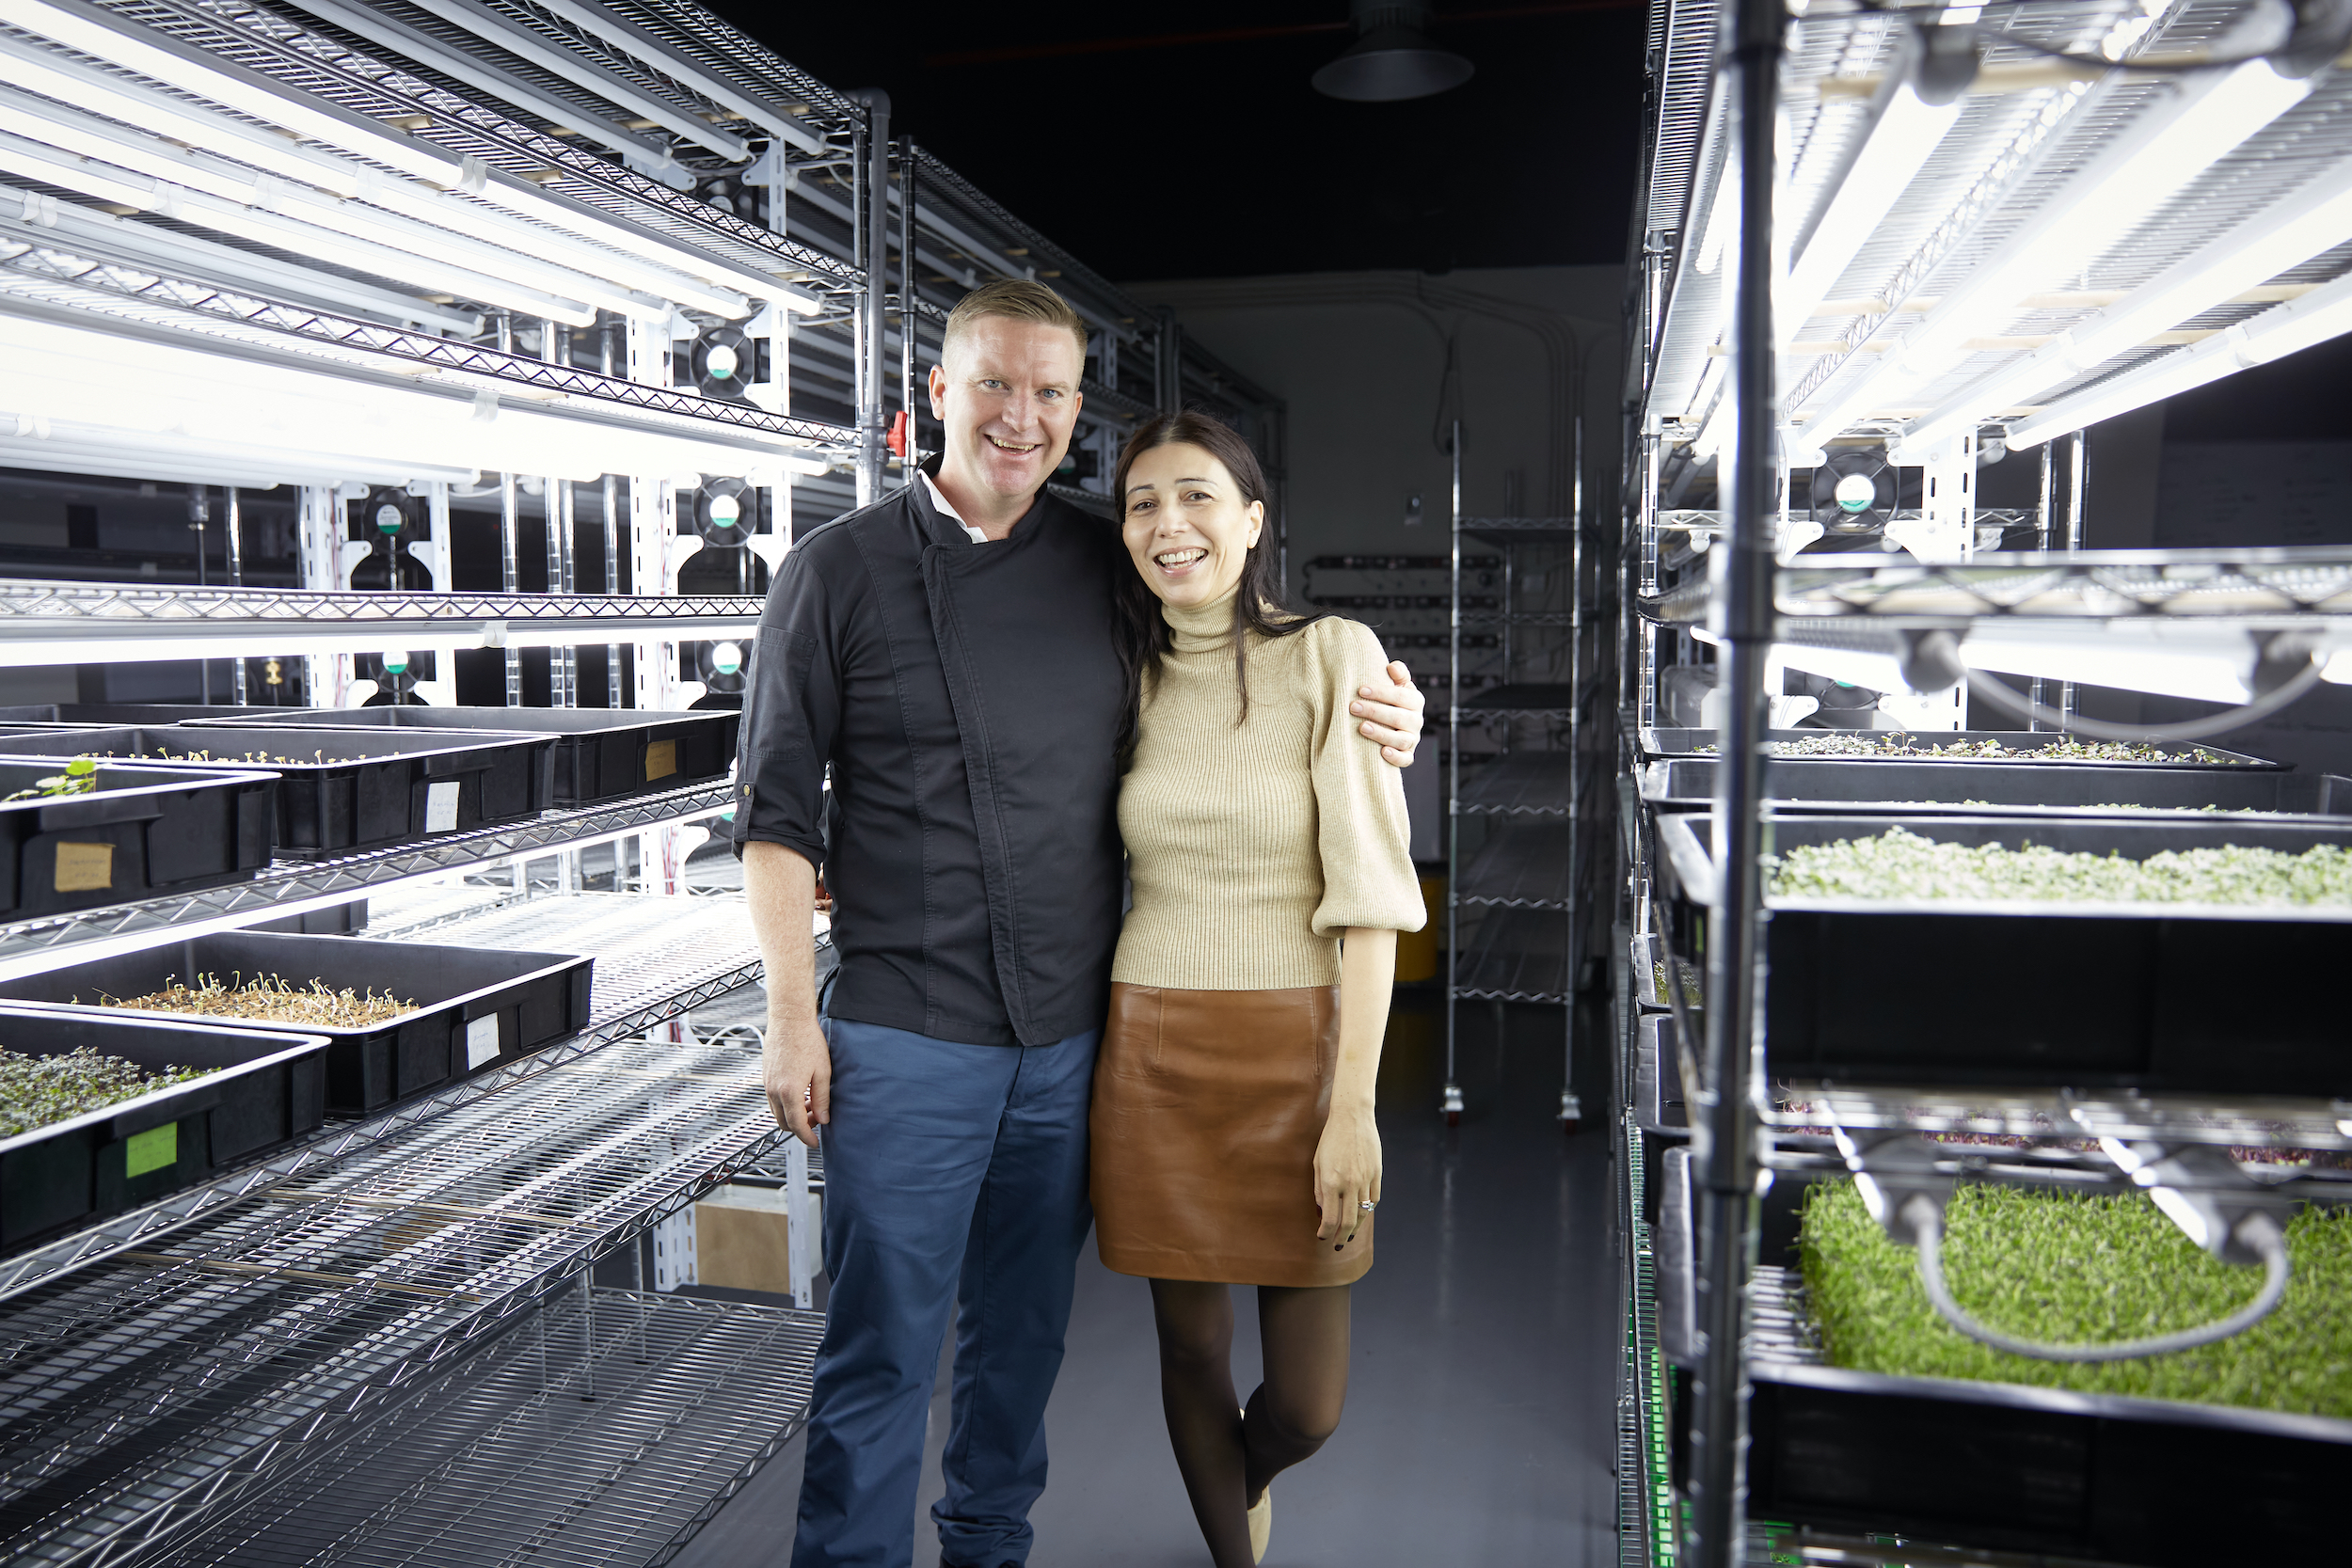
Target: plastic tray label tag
(482,1041)
(440,806)
(157,1148)
(84,867)
(660,759)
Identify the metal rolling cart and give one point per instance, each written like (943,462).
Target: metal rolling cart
(1996,226)
(614,274)
(1525,877)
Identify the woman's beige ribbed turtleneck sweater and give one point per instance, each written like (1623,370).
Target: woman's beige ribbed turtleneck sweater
(1253,847)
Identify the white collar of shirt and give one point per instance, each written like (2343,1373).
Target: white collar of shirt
(939,502)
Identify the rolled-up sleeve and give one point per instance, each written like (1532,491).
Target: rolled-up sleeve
(1360,828)
(791,713)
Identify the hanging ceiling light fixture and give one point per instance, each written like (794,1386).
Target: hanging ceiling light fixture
(1391,59)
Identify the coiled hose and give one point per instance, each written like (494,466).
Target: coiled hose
(2258,1231)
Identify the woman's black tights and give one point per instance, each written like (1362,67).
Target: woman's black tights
(1227,1458)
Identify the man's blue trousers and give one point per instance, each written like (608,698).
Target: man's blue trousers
(953,1173)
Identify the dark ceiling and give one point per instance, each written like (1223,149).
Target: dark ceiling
(1158,140)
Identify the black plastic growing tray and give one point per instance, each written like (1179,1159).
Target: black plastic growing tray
(2001,789)
(2160,997)
(1684,743)
(270,1088)
(143,832)
(108,716)
(600,754)
(476,1006)
(1998,1466)
(352,790)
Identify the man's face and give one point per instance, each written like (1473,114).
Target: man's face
(1007,396)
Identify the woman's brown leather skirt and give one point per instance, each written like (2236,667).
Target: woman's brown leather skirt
(1208,1107)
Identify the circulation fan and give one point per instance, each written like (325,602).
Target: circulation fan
(1854,495)
(723,668)
(727,513)
(387,520)
(723,361)
(732,193)
(395,675)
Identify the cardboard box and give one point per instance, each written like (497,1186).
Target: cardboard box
(743,1239)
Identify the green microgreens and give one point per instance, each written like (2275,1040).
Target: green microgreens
(79,778)
(35,1091)
(1899,863)
(2064,1268)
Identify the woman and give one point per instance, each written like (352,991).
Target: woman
(1232,1121)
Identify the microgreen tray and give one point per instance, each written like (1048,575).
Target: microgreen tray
(2193,998)
(267,1087)
(600,754)
(476,1007)
(344,790)
(2007,789)
(1692,742)
(2000,1465)
(141,832)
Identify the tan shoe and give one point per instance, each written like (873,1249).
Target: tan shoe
(1260,1525)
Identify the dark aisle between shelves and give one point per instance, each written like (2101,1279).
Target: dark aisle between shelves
(1480,1422)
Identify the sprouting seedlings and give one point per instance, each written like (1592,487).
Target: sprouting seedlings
(35,1091)
(1899,863)
(1901,743)
(79,778)
(268,998)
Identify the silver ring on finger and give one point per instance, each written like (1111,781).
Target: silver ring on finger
(1367,1206)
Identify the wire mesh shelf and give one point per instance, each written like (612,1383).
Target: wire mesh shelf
(1517,956)
(1524,782)
(28,945)
(1523,864)
(605,1430)
(146,1394)
(661,959)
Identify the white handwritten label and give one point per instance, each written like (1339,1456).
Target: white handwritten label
(440,806)
(482,1041)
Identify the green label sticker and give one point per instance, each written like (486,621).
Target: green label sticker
(155,1150)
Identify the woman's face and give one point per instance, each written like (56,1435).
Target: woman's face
(1186,526)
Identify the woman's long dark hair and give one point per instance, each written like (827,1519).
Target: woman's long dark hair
(1259,605)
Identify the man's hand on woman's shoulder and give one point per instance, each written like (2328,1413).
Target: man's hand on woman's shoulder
(1392,715)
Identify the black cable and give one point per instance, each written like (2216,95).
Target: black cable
(2025,707)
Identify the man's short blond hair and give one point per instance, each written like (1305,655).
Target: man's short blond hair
(1015,299)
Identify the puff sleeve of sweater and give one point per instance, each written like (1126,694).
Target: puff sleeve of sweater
(1361,831)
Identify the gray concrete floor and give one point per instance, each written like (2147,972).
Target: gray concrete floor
(1479,1426)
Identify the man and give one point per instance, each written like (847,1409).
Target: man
(948,652)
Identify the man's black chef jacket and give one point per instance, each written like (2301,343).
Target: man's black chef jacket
(967,697)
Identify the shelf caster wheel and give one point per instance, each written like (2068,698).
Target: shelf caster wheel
(1452,1105)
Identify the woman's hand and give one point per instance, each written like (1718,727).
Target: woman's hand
(1392,715)
(1348,1173)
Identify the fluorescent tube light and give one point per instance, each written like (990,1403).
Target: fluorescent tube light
(38,161)
(319,420)
(2325,312)
(2167,146)
(2308,220)
(99,33)
(1898,143)
(145,247)
(598,22)
(40,120)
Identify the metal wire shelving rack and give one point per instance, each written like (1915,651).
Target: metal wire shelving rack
(1525,882)
(1990,260)
(491,246)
